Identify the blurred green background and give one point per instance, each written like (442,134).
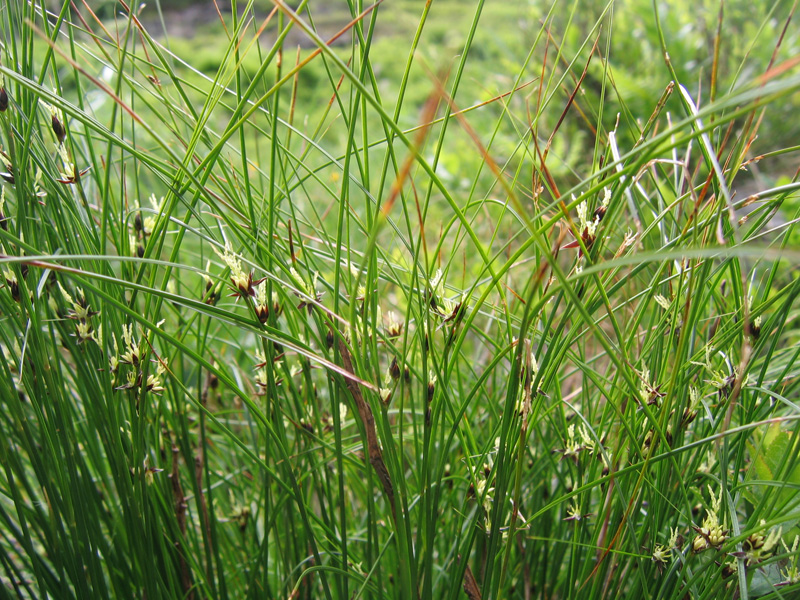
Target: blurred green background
(507,32)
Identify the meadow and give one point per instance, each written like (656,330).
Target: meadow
(399,300)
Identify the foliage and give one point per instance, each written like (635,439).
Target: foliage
(425,311)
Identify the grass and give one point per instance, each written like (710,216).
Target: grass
(365,321)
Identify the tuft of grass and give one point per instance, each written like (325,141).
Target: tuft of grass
(415,310)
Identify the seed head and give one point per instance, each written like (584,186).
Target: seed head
(395,328)
(394,369)
(58,128)
(242,282)
(329,339)
(386,395)
(132,354)
(574,513)
(56,123)
(262,308)
(9,167)
(710,534)
(661,555)
(3,218)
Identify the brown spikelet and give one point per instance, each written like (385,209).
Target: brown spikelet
(58,129)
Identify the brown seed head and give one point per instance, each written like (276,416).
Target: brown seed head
(58,129)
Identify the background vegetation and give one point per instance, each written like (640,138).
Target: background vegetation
(408,300)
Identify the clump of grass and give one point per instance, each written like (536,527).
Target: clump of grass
(253,348)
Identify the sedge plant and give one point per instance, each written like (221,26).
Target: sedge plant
(399,300)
